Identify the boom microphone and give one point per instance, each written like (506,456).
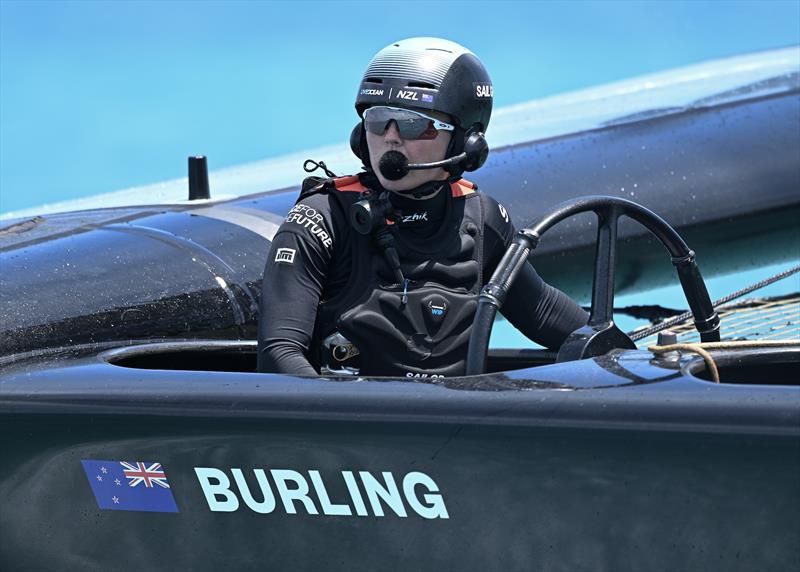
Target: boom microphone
(394,165)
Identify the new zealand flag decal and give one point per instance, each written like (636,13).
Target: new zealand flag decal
(130,485)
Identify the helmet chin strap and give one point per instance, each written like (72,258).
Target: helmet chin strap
(424,190)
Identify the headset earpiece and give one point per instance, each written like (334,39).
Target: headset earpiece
(476,148)
(358,145)
(474,144)
(356,136)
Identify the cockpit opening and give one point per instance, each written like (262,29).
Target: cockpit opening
(766,366)
(229,356)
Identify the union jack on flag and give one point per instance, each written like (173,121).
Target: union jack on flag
(141,473)
(115,485)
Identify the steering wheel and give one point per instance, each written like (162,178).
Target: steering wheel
(600,334)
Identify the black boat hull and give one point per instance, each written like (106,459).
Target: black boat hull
(656,470)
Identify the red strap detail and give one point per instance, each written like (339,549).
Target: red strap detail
(351,184)
(462,187)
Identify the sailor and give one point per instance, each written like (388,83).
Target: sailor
(379,273)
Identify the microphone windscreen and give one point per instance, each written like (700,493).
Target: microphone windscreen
(393,165)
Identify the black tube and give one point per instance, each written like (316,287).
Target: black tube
(198,178)
(505,273)
(479,336)
(492,298)
(604,267)
(706,320)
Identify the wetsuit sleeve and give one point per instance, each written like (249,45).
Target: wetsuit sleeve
(541,312)
(544,314)
(294,279)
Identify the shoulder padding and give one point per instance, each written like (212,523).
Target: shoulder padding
(314,185)
(353,184)
(349,184)
(496,216)
(462,188)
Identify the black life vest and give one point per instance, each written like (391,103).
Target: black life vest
(428,334)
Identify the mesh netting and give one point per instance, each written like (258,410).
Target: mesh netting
(754,319)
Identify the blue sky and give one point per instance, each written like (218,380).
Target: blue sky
(99,96)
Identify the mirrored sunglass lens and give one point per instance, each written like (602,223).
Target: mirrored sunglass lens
(409,125)
(374,126)
(412,127)
(421,129)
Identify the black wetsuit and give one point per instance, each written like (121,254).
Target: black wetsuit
(323,277)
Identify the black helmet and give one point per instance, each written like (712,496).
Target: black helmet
(429,73)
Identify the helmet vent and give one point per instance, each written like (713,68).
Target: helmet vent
(373,79)
(423,84)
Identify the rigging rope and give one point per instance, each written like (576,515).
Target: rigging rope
(702,350)
(637,335)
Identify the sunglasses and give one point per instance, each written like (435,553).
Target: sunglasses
(410,124)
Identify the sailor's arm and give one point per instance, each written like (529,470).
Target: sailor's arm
(541,312)
(290,293)
(295,275)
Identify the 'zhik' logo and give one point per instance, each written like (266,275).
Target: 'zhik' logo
(416,217)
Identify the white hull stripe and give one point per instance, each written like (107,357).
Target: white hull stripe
(262,223)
